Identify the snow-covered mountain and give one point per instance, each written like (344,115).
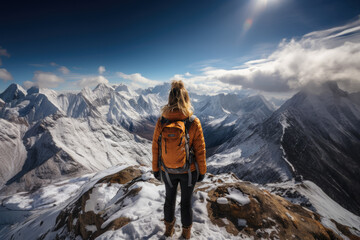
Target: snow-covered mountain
(48,136)
(126,202)
(224,116)
(56,134)
(315,135)
(13,92)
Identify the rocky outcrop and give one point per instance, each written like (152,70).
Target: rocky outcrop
(266,216)
(77,220)
(243,209)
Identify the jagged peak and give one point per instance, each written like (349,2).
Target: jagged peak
(162,89)
(32,90)
(17,86)
(12,92)
(259,100)
(121,87)
(142,99)
(316,94)
(86,91)
(103,86)
(324,88)
(258,97)
(45,91)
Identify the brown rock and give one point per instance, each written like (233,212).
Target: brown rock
(267,216)
(77,209)
(122,177)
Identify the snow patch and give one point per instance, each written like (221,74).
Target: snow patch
(100,196)
(285,125)
(238,196)
(91,228)
(289,216)
(222,200)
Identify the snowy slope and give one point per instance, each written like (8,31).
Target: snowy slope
(2,103)
(49,135)
(224,116)
(60,147)
(314,135)
(13,152)
(127,203)
(310,195)
(322,142)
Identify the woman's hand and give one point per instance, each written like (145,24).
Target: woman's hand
(201,177)
(157,175)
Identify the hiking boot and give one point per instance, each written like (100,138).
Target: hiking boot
(186,232)
(169,228)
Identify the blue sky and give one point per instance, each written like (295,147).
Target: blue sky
(62,44)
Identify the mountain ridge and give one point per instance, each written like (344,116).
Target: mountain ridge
(302,138)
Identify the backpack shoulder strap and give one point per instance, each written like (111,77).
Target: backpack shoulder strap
(189,121)
(163,120)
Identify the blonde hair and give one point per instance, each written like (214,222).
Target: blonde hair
(178,99)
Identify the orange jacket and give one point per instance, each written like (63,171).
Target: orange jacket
(196,140)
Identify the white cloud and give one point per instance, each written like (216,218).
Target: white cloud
(177,77)
(207,84)
(101,70)
(54,64)
(329,55)
(5,75)
(181,76)
(28,84)
(137,80)
(91,81)
(47,79)
(3,52)
(64,70)
(187,74)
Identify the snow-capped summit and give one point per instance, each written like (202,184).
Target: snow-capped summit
(33,89)
(162,90)
(13,92)
(103,92)
(121,88)
(37,104)
(256,102)
(126,91)
(103,87)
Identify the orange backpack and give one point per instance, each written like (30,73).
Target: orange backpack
(175,154)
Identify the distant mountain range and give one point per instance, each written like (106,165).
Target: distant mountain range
(46,135)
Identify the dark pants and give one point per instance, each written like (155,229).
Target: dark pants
(186,197)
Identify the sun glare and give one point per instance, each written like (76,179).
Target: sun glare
(255,8)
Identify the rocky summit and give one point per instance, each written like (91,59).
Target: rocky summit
(126,203)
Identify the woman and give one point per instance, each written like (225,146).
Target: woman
(177,110)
